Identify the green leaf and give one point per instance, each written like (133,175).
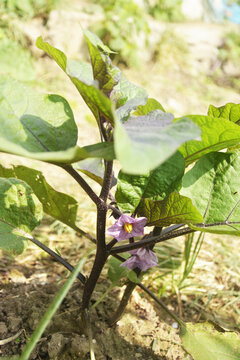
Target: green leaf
(93,168)
(145,142)
(216,135)
(174,209)
(36,122)
(125,91)
(151,105)
(15,61)
(41,127)
(98,103)
(101,150)
(124,111)
(69,156)
(20,213)
(106,74)
(213,186)
(56,204)
(229,112)
(203,342)
(115,272)
(156,185)
(132,276)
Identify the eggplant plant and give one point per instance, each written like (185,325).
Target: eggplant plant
(156,188)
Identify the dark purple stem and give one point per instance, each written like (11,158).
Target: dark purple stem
(150,241)
(102,253)
(93,196)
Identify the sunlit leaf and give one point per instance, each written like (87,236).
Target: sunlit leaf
(126,91)
(156,185)
(20,213)
(217,134)
(56,204)
(145,142)
(151,105)
(98,103)
(36,122)
(174,209)
(104,72)
(229,111)
(94,169)
(213,186)
(124,111)
(203,342)
(41,127)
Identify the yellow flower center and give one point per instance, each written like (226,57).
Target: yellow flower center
(128,227)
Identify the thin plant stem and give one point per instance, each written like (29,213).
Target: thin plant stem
(52,253)
(123,303)
(150,241)
(83,233)
(124,300)
(162,305)
(93,196)
(163,232)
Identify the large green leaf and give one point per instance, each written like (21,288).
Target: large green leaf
(145,142)
(71,155)
(229,111)
(36,122)
(151,105)
(41,127)
(106,74)
(213,186)
(20,213)
(217,134)
(98,103)
(203,342)
(156,185)
(59,205)
(174,209)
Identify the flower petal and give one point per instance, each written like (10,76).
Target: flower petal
(141,258)
(131,262)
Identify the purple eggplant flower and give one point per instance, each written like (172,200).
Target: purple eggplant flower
(126,227)
(141,258)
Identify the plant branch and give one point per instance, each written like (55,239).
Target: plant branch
(93,196)
(115,210)
(52,253)
(123,303)
(162,305)
(150,241)
(83,233)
